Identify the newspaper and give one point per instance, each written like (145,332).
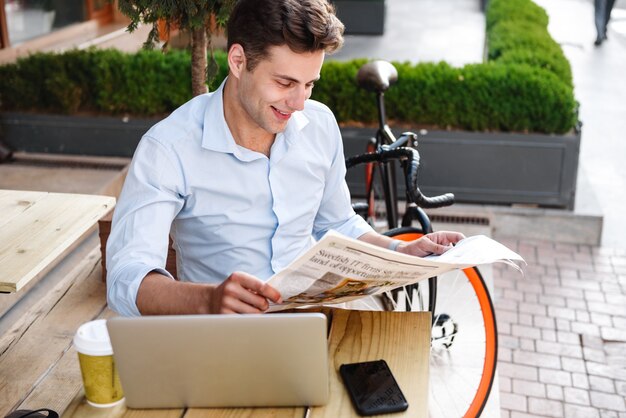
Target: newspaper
(340,269)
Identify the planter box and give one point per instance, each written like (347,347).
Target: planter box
(104,136)
(477,167)
(361,17)
(481,167)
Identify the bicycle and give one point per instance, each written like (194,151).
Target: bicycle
(464,334)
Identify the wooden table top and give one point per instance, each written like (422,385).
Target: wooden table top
(38,228)
(401,338)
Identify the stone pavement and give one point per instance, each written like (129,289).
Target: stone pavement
(562,331)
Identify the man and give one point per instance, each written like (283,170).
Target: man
(246,177)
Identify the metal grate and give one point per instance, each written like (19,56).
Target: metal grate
(458,219)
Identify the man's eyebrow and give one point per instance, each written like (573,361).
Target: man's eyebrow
(286,77)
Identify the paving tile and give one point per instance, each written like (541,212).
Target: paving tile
(607,401)
(518,371)
(555,392)
(545,407)
(525,319)
(564,313)
(601,384)
(576,365)
(576,396)
(568,337)
(548,335)
(562,349)
(505,413)
(564,291)
(531,297)
(602,320)
(579,284)
(504,354)
(585,328)
(504,384)
(533,308)
(536,359)
(580,381)
(544,322)
(603,370)
(608,414)
(513,294)
(507,340)
(513,402)
(582,316)
(610,287)
(619,322)
(579,304)
(525,331)
(616,299)
(517,414)
(602,307)
(592,341)
(526,387)
(594,296)
(594,355)
(555,377)
(527,344)
(613,334)
(579,411)
(620,388)
(550,300)
(563,324)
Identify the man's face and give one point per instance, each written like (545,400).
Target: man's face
(278,86)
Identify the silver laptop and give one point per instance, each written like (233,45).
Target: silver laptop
(222,360)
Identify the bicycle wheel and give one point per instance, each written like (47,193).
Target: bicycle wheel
(464,340)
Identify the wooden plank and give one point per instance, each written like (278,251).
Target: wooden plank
(13,204)
(40,235)
(244,412)
(402,339)
(19,310)
(30,358)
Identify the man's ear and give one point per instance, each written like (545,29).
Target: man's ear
(236,60)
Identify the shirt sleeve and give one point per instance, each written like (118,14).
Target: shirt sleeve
(335,211)
(138,243)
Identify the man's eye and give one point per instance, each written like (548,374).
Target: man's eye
(284,84)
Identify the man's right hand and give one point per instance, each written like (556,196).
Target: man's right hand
(242,293)
(239,293)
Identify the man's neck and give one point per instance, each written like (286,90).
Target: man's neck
(244,131)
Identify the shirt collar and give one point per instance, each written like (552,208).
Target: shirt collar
(216,135)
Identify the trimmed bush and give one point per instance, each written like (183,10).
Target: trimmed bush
(525,86)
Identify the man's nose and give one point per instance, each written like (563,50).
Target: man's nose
(297,98)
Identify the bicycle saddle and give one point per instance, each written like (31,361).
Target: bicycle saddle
(377,76)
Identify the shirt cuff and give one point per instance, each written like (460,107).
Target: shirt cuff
(123,286)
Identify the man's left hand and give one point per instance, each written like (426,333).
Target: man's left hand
(433,243)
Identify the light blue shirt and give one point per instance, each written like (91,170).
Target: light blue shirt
(229,208)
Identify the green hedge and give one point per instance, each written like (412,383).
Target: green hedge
(525,86)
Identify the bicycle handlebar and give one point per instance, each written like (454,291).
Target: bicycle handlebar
(411,159)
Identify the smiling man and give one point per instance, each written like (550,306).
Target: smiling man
(244,179)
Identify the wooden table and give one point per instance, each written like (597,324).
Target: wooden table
(402,339)
(38,228)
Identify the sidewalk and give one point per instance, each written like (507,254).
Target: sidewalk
(562,327)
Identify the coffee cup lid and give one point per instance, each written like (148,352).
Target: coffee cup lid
(92,338)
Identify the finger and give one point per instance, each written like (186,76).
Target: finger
(258,286)
(234,305)
(430,247)
(238,292)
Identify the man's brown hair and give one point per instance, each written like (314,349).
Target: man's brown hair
(303,25)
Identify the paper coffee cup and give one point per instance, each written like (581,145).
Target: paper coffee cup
(95,355)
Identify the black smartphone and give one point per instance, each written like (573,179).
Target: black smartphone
(372,388)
